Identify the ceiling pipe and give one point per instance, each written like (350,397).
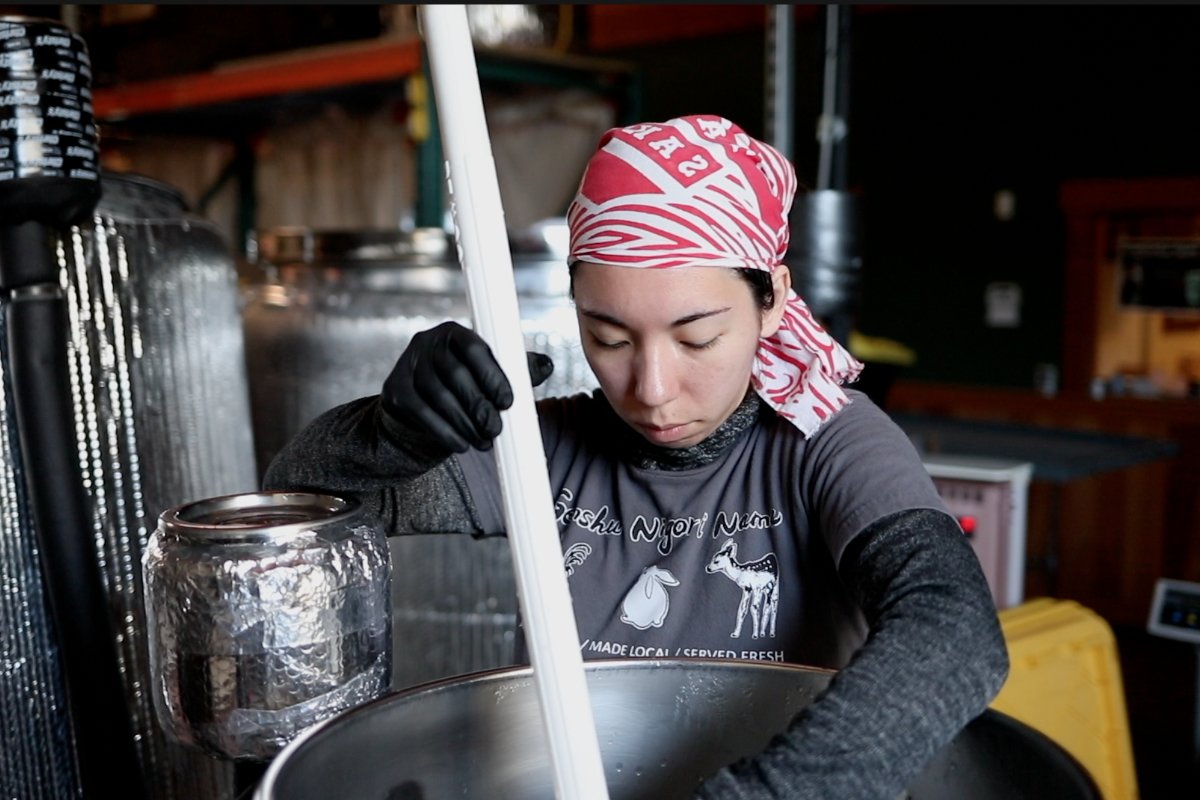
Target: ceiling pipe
(832,128)
(780,78)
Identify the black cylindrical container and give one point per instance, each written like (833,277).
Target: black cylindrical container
(160,415)
(48,139)
(825,257)
(49,179)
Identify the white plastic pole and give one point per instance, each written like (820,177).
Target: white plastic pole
(528,505)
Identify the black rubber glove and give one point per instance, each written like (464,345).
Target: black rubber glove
(447,385)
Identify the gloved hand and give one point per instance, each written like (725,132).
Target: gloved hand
(447,385)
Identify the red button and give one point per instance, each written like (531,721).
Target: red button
(967,524)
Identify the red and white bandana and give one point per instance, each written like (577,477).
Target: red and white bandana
(698,191)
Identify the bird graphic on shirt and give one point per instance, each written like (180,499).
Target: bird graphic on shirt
(575,556)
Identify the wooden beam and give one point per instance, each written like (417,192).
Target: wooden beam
(306,70)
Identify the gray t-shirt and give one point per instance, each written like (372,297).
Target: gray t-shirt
(734,559)
(855,496)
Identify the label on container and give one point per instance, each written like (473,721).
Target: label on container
(41,56)
(65,76)
(62,112)
(22,95)
(41,162)
(19,99)
(12,120)
(20,85)
(22,125)
(55,119)
(22,61)
(45,46)
(57,166)
(59,89)
(70,148)
(47,126)
(22,55)
(31,148)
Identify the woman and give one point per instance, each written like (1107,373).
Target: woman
(721,495)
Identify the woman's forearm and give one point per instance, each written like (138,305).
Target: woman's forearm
(934,659)
(355,449)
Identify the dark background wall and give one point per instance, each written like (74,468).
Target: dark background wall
(948,105)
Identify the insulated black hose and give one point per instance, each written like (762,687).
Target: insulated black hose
(49,180)
(37,348)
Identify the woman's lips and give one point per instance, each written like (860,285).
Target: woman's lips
(664,434)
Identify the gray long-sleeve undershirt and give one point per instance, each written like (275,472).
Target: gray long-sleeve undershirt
(933,660)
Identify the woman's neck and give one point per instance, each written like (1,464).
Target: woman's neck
(645,455)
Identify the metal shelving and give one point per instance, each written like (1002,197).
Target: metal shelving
(236,99)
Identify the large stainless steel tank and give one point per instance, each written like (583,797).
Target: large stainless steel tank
(661,726)
(161,416)
(324,325)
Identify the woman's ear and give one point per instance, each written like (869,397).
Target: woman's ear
(781,285)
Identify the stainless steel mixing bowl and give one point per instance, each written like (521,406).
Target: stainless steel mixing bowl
(662,727)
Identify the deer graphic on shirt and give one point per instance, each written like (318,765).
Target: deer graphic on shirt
(759,582)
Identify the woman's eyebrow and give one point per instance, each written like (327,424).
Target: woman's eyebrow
(699,315)
(600,316)
(611,320)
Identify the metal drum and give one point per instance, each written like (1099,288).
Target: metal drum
(333,310)
(268,612)
(325,325)
(662,726)
(162,413)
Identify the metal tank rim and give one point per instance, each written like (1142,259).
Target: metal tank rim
(257,517)
(350,246)
(538,254)
(265,790)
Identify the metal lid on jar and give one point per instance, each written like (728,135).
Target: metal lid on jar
(256,517)
(538,256)
(299,244)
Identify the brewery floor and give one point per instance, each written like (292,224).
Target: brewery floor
(1159,676)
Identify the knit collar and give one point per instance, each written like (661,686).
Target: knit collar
(645,455)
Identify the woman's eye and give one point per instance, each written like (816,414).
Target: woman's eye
(702,345)
(609,344)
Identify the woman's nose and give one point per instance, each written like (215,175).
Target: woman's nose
(656,379)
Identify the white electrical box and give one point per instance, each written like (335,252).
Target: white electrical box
(990,498)
(1175,611)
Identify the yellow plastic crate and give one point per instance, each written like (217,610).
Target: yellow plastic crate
(1065,681)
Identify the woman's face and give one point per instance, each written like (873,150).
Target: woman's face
(672,348)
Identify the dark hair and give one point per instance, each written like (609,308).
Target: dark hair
(760,284)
